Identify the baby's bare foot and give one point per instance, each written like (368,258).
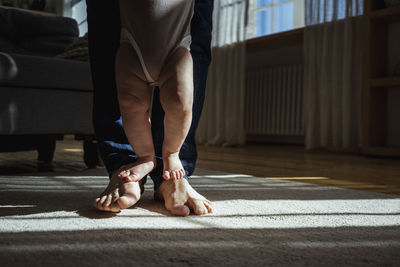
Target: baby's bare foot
(173,168)
(136,171)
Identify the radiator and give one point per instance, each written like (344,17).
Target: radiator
(274,98)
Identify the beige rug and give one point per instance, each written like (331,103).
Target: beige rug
(47,219)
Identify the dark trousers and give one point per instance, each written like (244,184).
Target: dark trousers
(104,32)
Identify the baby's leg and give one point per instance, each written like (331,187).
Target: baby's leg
(134,96)
(176,97)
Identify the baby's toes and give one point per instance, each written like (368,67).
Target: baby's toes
(123,174)
(179,174)
(182,172)
(128,176)
(175,175)
(132,178)
(166,175)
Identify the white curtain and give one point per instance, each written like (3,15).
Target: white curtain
(332,74)
(222,120)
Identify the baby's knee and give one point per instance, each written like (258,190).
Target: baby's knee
(178,104)
(130,103)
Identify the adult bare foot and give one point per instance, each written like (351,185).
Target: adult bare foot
(119,195)
(173,168)
(180,197)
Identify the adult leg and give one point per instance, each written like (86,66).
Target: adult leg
(104,32)
(179,196)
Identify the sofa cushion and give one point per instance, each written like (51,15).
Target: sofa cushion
(46,72)
(18,24)
(44,45)
(35,34)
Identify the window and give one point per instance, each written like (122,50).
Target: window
(79,14)
(76,9)
(273,16)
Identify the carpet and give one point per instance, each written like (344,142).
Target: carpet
(47,219)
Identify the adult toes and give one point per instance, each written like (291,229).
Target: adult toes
(115,195)
(114,206)
(97,204)
(108,200)
(102,199)
(198,207)
(182,171)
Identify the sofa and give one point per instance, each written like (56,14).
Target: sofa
(42,97)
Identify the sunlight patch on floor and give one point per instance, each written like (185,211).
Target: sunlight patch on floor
(342,183)
(64,203)
(73,150)
(232,214)
(221,176)
(298,178)
(18,206)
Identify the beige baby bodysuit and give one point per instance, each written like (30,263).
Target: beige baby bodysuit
(155,28)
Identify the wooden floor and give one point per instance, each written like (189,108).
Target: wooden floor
(266,161)
(295,163)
